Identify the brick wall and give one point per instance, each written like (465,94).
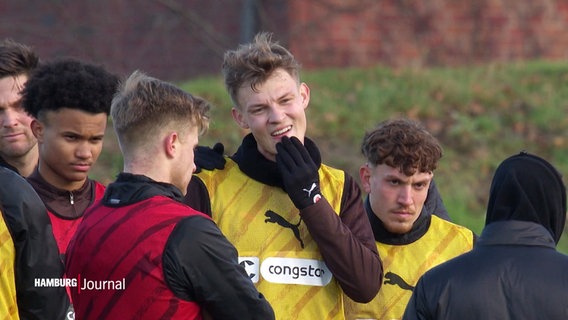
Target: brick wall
(175,39)
(426,33)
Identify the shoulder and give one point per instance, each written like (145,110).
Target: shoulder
(21,206)
(438,222)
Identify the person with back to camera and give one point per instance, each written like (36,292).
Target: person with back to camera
(298,224)
(401,157)
(164,259)
(514,270)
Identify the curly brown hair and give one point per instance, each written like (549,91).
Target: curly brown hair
(403,144)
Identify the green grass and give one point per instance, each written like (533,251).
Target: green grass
(480,114)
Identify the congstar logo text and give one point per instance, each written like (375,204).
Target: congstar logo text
(309,272)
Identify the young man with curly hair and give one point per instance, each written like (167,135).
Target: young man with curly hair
(298,224)
(70,102)
(401,158)
(18,146)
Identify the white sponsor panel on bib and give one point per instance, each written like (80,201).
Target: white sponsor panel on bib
(309,272)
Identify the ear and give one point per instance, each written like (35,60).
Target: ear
(37,129)
(171,142)
(305,94)
(239,118)
(365,175)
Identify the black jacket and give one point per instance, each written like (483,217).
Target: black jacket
(37,256)
(514,270)
(206,274)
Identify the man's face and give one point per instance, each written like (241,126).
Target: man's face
(16,137)
(70,141)
(396,199)
(276,109)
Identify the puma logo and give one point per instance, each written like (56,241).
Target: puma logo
(274,217)
(309,191)
(395,279)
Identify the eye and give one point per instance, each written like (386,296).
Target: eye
(420,185)
(256,110)
(394,182)
(70,137)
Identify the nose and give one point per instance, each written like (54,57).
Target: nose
(405,196)
(83,151)
(276,114)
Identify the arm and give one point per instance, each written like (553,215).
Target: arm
(201,265)
(197,196)
(347,243)
(37,255)
(346,240)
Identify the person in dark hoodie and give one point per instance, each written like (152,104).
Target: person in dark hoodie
(164,260)
(401,157)
(514,270)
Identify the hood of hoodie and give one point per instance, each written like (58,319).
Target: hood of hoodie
(528,188)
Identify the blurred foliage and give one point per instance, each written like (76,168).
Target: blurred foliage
(480,114)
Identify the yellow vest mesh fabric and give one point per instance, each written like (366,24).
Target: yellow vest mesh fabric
(404,264)
(8,303)
(263,223)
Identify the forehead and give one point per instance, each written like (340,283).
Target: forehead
(278,84)
(10,88)
(386,171)
(66,118)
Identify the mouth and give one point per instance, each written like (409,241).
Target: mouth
(81,167)
(403,213)
(12,135)
(281,132)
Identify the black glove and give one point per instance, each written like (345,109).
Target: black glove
(209,159)
(299,172)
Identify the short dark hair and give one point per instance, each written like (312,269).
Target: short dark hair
(16,59)
(403,144)
(69,83)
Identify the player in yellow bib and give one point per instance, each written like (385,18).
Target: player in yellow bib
(299,225)
(401,158)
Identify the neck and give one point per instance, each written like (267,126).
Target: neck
(25,164)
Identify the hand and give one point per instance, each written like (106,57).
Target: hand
(299,172)
(209,159)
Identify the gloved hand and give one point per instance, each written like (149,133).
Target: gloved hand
(299,172)
(209,159)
